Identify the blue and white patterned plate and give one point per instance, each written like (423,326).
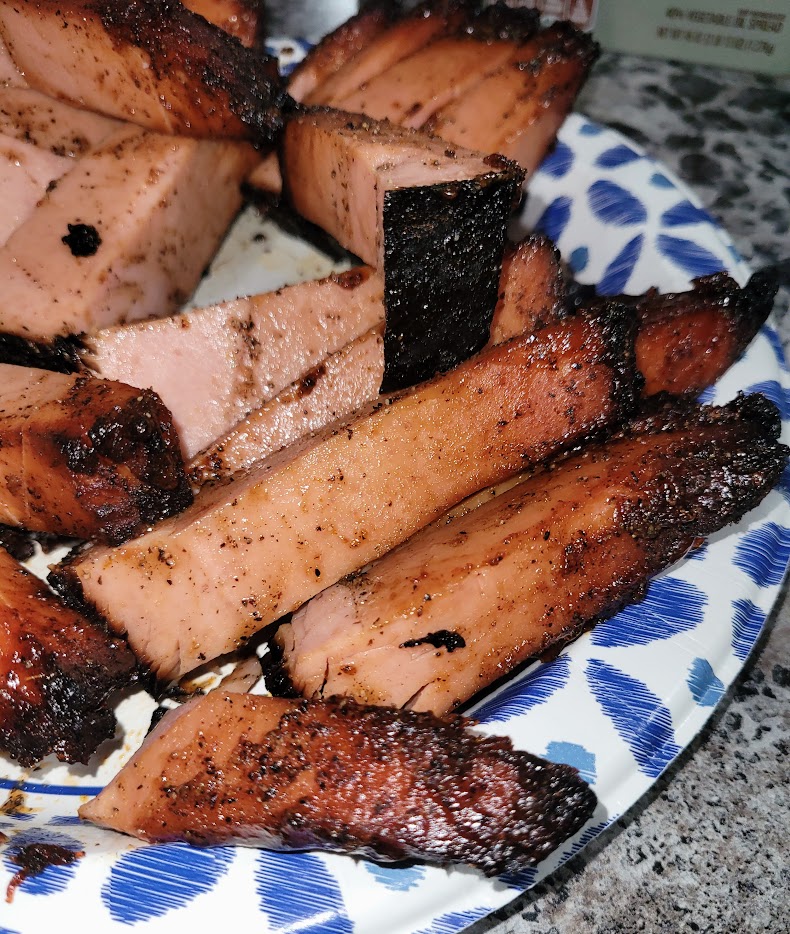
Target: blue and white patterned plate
(620,704)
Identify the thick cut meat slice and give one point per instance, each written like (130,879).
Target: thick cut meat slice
(405,203)
(251,550)
(57,671)
(517,110)
(242,19)
(10,76)
(25,174)
(47,123)
(688,339)
(212,366)
(413,89)
(334,775)
(83,457)
(466,600)
(151,62)
(125,235)
(342,383)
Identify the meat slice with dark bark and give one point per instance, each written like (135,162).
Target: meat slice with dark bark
(462,603)
(404,203)
(151,62)
(57,673)
(242,19)
(85,458)
(239,354)
(126,235)
(335,775)
(517,110)
(247,552)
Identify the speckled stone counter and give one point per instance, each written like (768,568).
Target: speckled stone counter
(706,851)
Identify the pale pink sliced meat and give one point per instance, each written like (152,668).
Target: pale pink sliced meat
(342,383)
(412,90)
(25,174)
(155,64)
(517,110)
(467,600)
(212,366)
(10,76)
(125,235)
(50,124)
(248,551)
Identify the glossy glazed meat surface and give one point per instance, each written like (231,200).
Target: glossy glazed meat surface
(85,458)
(57,671)
(242,19)
(381,783)
(251,550)
(151,62)
(466,600)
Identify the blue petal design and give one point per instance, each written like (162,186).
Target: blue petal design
(520,880)
(454,921)
(671,606)
(575,755)
(684,212)
(310,903)
(617,272)
(613,204)
(522,695)
(638,715)
(705,687)
(589,834)
(555,217)
(66,820)
(772,336)
(54,878)
(698,554)
(559,161)
(616,156)
(706,395)
(171,875)
(735,252)
(747,621)
(688,255)
(661,181)
(7,931)
(774,391)
(590,129)
(397,880)
(764,553)
(579,258)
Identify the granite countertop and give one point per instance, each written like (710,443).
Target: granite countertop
(706,850)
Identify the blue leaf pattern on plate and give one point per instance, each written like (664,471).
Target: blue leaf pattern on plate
(575,755)
(706,396)
(616,156)
(587,836)
(705,687)
(613,204)
(775,341)
(774,391)
(522,695)
(559,162)
(590,129)
(616,275)
(671,606)
(689,256)
(171,875)
(698,554)
(397,880)
(747,623)
(54,878)
(298,893)
(763,554)
(519,880)
(453,921)
(555,218)
(661,181)
(638,715)
(684,212)
(579,258)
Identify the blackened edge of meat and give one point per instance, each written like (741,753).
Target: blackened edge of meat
(59,355)
(457,231)
(278,681)
(179,41)
(620,329)
(502,22)
(21,543)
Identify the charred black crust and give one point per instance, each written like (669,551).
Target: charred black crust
(60,355)
(619,327)
(278,681)
(21,543)
(456,230)
(501,22)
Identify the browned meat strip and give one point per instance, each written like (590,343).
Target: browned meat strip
(403,203)
(57,671)
(248,551)
(242,19)
(466,600)
(83,457)
(151,62)
(334,775)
